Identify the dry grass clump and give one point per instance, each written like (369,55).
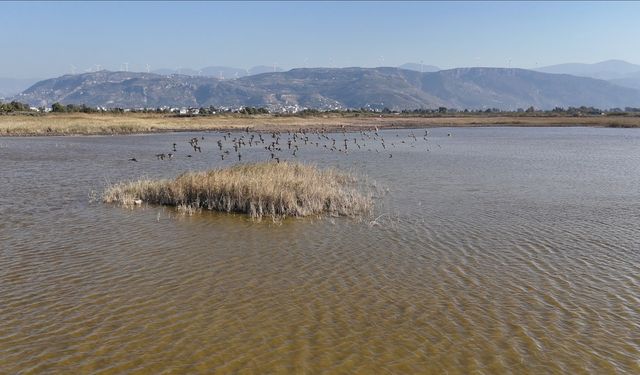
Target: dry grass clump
(276,190)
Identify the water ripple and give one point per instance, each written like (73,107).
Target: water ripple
(495,253)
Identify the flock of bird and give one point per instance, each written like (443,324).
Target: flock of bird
(280,145)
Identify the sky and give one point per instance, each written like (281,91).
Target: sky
(46,39)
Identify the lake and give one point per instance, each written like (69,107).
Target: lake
(490,250)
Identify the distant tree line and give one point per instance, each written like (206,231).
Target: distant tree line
(17,107)
(73,108)
(14,107)
(594,111)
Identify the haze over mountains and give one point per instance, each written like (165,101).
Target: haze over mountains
(12,86)
(616,71)
(610,69)
(227,72)
(222,72)
(326,88)
(418,67)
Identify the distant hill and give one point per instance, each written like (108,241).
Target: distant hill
(519,88)
(12,86)
(619,72)
(631,82)
(224,72)
(116,89)
(221,72)
(263,69)
(610,69)
(419,67)
(325,88)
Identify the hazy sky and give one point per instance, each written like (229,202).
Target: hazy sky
(45,39)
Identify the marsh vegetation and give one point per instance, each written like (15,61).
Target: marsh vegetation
(128,123)
(268,189)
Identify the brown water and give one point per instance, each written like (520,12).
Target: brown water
(498,250)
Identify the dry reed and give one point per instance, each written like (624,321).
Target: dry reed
(105,123)
(275,190)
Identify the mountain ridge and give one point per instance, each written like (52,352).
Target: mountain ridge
(619,72)
(337,88)
(608,69)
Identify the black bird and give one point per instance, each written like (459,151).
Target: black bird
(133,159)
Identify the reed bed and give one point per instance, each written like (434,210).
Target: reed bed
(106,124)
(275,190)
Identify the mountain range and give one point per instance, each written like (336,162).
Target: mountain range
(616,71)
(227,72)
(222,72)
(331,88)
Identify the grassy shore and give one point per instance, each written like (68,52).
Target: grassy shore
(130,123)
(275,190)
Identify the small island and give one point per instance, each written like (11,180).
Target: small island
(268,189)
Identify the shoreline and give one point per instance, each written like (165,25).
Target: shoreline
(80,124)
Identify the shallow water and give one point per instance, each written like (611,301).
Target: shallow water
(494,250)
